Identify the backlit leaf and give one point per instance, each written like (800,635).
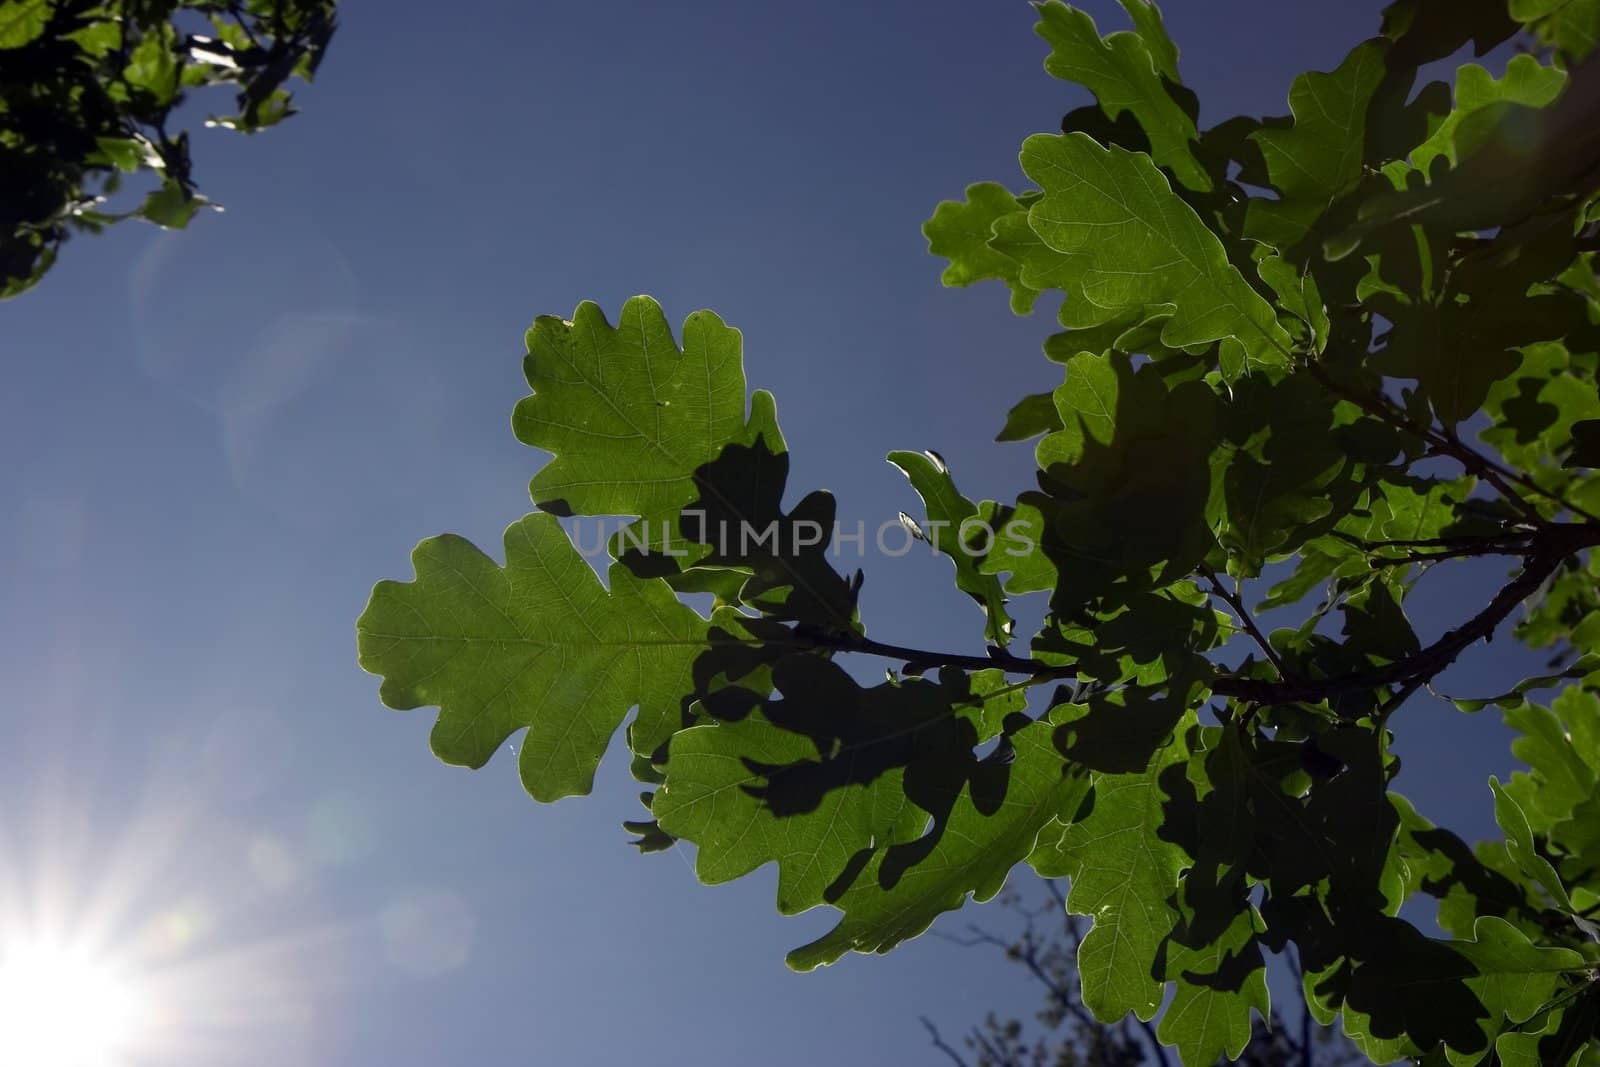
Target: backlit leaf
(538,644)
(1126,73)
(1319,158)
(1127,245)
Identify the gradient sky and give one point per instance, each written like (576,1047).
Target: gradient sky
(218,439)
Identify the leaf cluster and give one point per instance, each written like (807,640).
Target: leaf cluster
(1306,360)
(88,90)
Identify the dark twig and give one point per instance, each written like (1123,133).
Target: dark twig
(1491,470)
(1026,952)
(925,659)
(1399,697)
(939,1043)
(1489,546)
(1552,545)
(1446,442)
(1548,547)
(1236,602)
(1450,553)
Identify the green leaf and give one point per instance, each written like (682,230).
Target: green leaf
(1319,158)
(1519,842)
(991,827)
(1125,72)
(813,779)
(153,66)
(1123,871)
(737,525)
(1218,986)
(1032,416)
(629,415)
(23,21)
(1126,245)
(1148,24)
(1572,26)
(1579,711)
(171,206)
(127,154)
(1086,405)
(1265,504)
(82,79)
(1156,636)
(1515,162)
(1537,411)
(1565,780)
(537,644)
(1124,485)
(1280,477)
(947,527)
(1298,294)
(962,231)
(1514,977)
(1559,1038)
(1458,351)
(98,39)
(1526,81)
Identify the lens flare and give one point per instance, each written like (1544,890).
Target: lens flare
(62,1007)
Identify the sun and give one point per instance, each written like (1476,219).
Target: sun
(62,1007)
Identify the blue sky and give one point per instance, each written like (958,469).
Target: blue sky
(217,440)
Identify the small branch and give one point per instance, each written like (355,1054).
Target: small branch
(996,1056)
(1236,602)
(1488,545)
(1550,547)
(939,1043)
(1029,957)
(1035,670)
(1492,470)
(1547,548)
(1377,562)
(1446,442)
(1399,697)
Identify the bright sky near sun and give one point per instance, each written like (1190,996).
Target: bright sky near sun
(216,848)
(61,1007)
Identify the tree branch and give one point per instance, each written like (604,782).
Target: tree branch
(920,659)
(1489,546)
(1550,545)
(1377,561)
(1547,547)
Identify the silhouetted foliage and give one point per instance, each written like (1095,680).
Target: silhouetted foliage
(1043,938)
